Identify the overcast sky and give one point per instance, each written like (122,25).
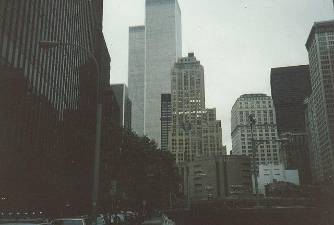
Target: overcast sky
(237,42)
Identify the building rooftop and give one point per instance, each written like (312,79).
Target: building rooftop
(319,27)
(256,95)
(136,28)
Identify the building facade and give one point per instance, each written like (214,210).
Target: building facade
(163,47)
(264,131)
(290,86)
(213,178)
(166,119)
(320,45)
(194,130)
(294,155)
(136,77)
(57,113)
(124,103)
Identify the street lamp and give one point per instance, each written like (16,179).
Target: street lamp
(97,153)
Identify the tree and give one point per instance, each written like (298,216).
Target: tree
(144,173)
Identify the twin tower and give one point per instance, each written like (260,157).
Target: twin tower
(153,50)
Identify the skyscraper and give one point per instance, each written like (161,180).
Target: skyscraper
(290,86)
(166,119)
(320,47)
(120,92)
(163,47)
(265,129)
(194,131)
(136,76)
(44,93)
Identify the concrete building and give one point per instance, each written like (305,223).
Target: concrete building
(265,129)
(166,119)
(163,47)
(124,104)
(272,173)
(194,131)
(321,102)
(290,86)
(136,77)
(212,178)
(212,134)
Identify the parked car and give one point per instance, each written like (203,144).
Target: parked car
(24,222)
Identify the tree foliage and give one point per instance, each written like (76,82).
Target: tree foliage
(144,173)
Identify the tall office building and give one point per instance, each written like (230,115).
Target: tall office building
(136,77)
(265,130)
(163,47)
(120,92)
(194,131)
(47,95)
(320,47)
(290,86)
(166,119)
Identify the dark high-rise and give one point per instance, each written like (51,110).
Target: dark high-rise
(289,88)
(123,101)
(166,119)
(48,99)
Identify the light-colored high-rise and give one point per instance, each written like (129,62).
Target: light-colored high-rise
(265,129)
(163,47)
(194,130)
(320,47)
(136,76)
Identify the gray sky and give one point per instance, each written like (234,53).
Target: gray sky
(237,42)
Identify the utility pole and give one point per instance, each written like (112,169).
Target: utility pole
(252,122)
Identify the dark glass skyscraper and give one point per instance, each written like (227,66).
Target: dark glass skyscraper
(290,86)
(166,119)
(48,98)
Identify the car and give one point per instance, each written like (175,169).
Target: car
(72,221)
(24,222)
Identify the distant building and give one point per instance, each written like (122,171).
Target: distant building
(272,173)
(321,102)
(163,47)
(212,178)
(124,103)
(212,134)
(290,86)
(166,119)
(112,111)
(136,77)
(265,129)
(194,131)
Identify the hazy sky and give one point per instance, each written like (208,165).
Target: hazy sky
(237,42)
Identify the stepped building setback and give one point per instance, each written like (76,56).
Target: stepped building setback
(194,132)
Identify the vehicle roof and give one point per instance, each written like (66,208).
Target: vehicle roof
(70,218)
(22,223)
